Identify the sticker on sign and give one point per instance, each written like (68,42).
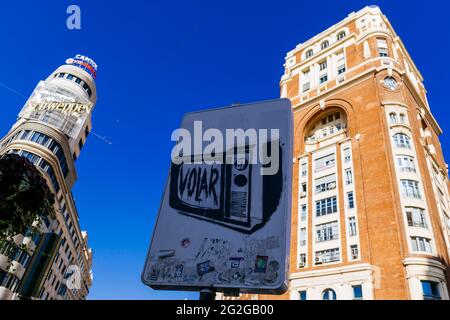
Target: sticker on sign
(224,218)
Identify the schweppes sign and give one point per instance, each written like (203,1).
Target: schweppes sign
(68,108)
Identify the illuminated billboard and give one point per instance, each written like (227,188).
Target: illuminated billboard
(59,108)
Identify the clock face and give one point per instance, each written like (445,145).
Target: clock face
(390,82)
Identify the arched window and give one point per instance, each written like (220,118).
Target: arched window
(309,53)
(332,124)
(392,117)
(341,35)
(325,44)
(328,294)
(402,118)
(401,140)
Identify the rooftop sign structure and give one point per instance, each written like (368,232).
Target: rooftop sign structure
(84,63)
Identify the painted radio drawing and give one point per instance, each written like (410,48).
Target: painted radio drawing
(222,193)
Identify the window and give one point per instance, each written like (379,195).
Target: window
(302,261)
(8,280)
(392,117)
(328,294)
(327,232)
(406,164)
(382,47)
(306,86)
(303,213)
(352,226)
(40,138)
(325,44)
(416,217)
(351,201)
(323,65)
(357,292)
(410,189)
(340,62)
(325,162)
(354,252)
(49,143)
(420,244)
(22,257)
(302,237)
(43,164)
(323,78)
(80,144)
(303,190)
(325,183)
(87,131)
(430,290)
(348,177)
(347,155)
(309,54)
(62,290)
(304,169)
(325,256)
(401,140)
(326,206)
(341,35)
(402,118)
(302,295)
(341,69)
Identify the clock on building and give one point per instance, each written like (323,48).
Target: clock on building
(390,82)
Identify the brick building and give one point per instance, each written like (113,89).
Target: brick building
(371,206)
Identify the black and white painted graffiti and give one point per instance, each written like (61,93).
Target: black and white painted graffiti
(222,193)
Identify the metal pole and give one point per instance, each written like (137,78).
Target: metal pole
(207,294)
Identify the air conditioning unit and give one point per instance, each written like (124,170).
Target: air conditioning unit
(318,260)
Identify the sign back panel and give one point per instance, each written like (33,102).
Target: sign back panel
(225,225)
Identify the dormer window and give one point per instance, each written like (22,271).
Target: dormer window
(341,35)
(325,44)
(309,53)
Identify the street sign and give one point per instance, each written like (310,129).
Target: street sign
(224,219)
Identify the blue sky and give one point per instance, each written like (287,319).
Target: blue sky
(158,60)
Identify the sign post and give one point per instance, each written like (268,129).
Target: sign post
(224,219)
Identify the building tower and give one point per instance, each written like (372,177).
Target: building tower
(371,206)
(50,131)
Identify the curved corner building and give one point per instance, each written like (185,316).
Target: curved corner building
(371,202)
(50,131)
